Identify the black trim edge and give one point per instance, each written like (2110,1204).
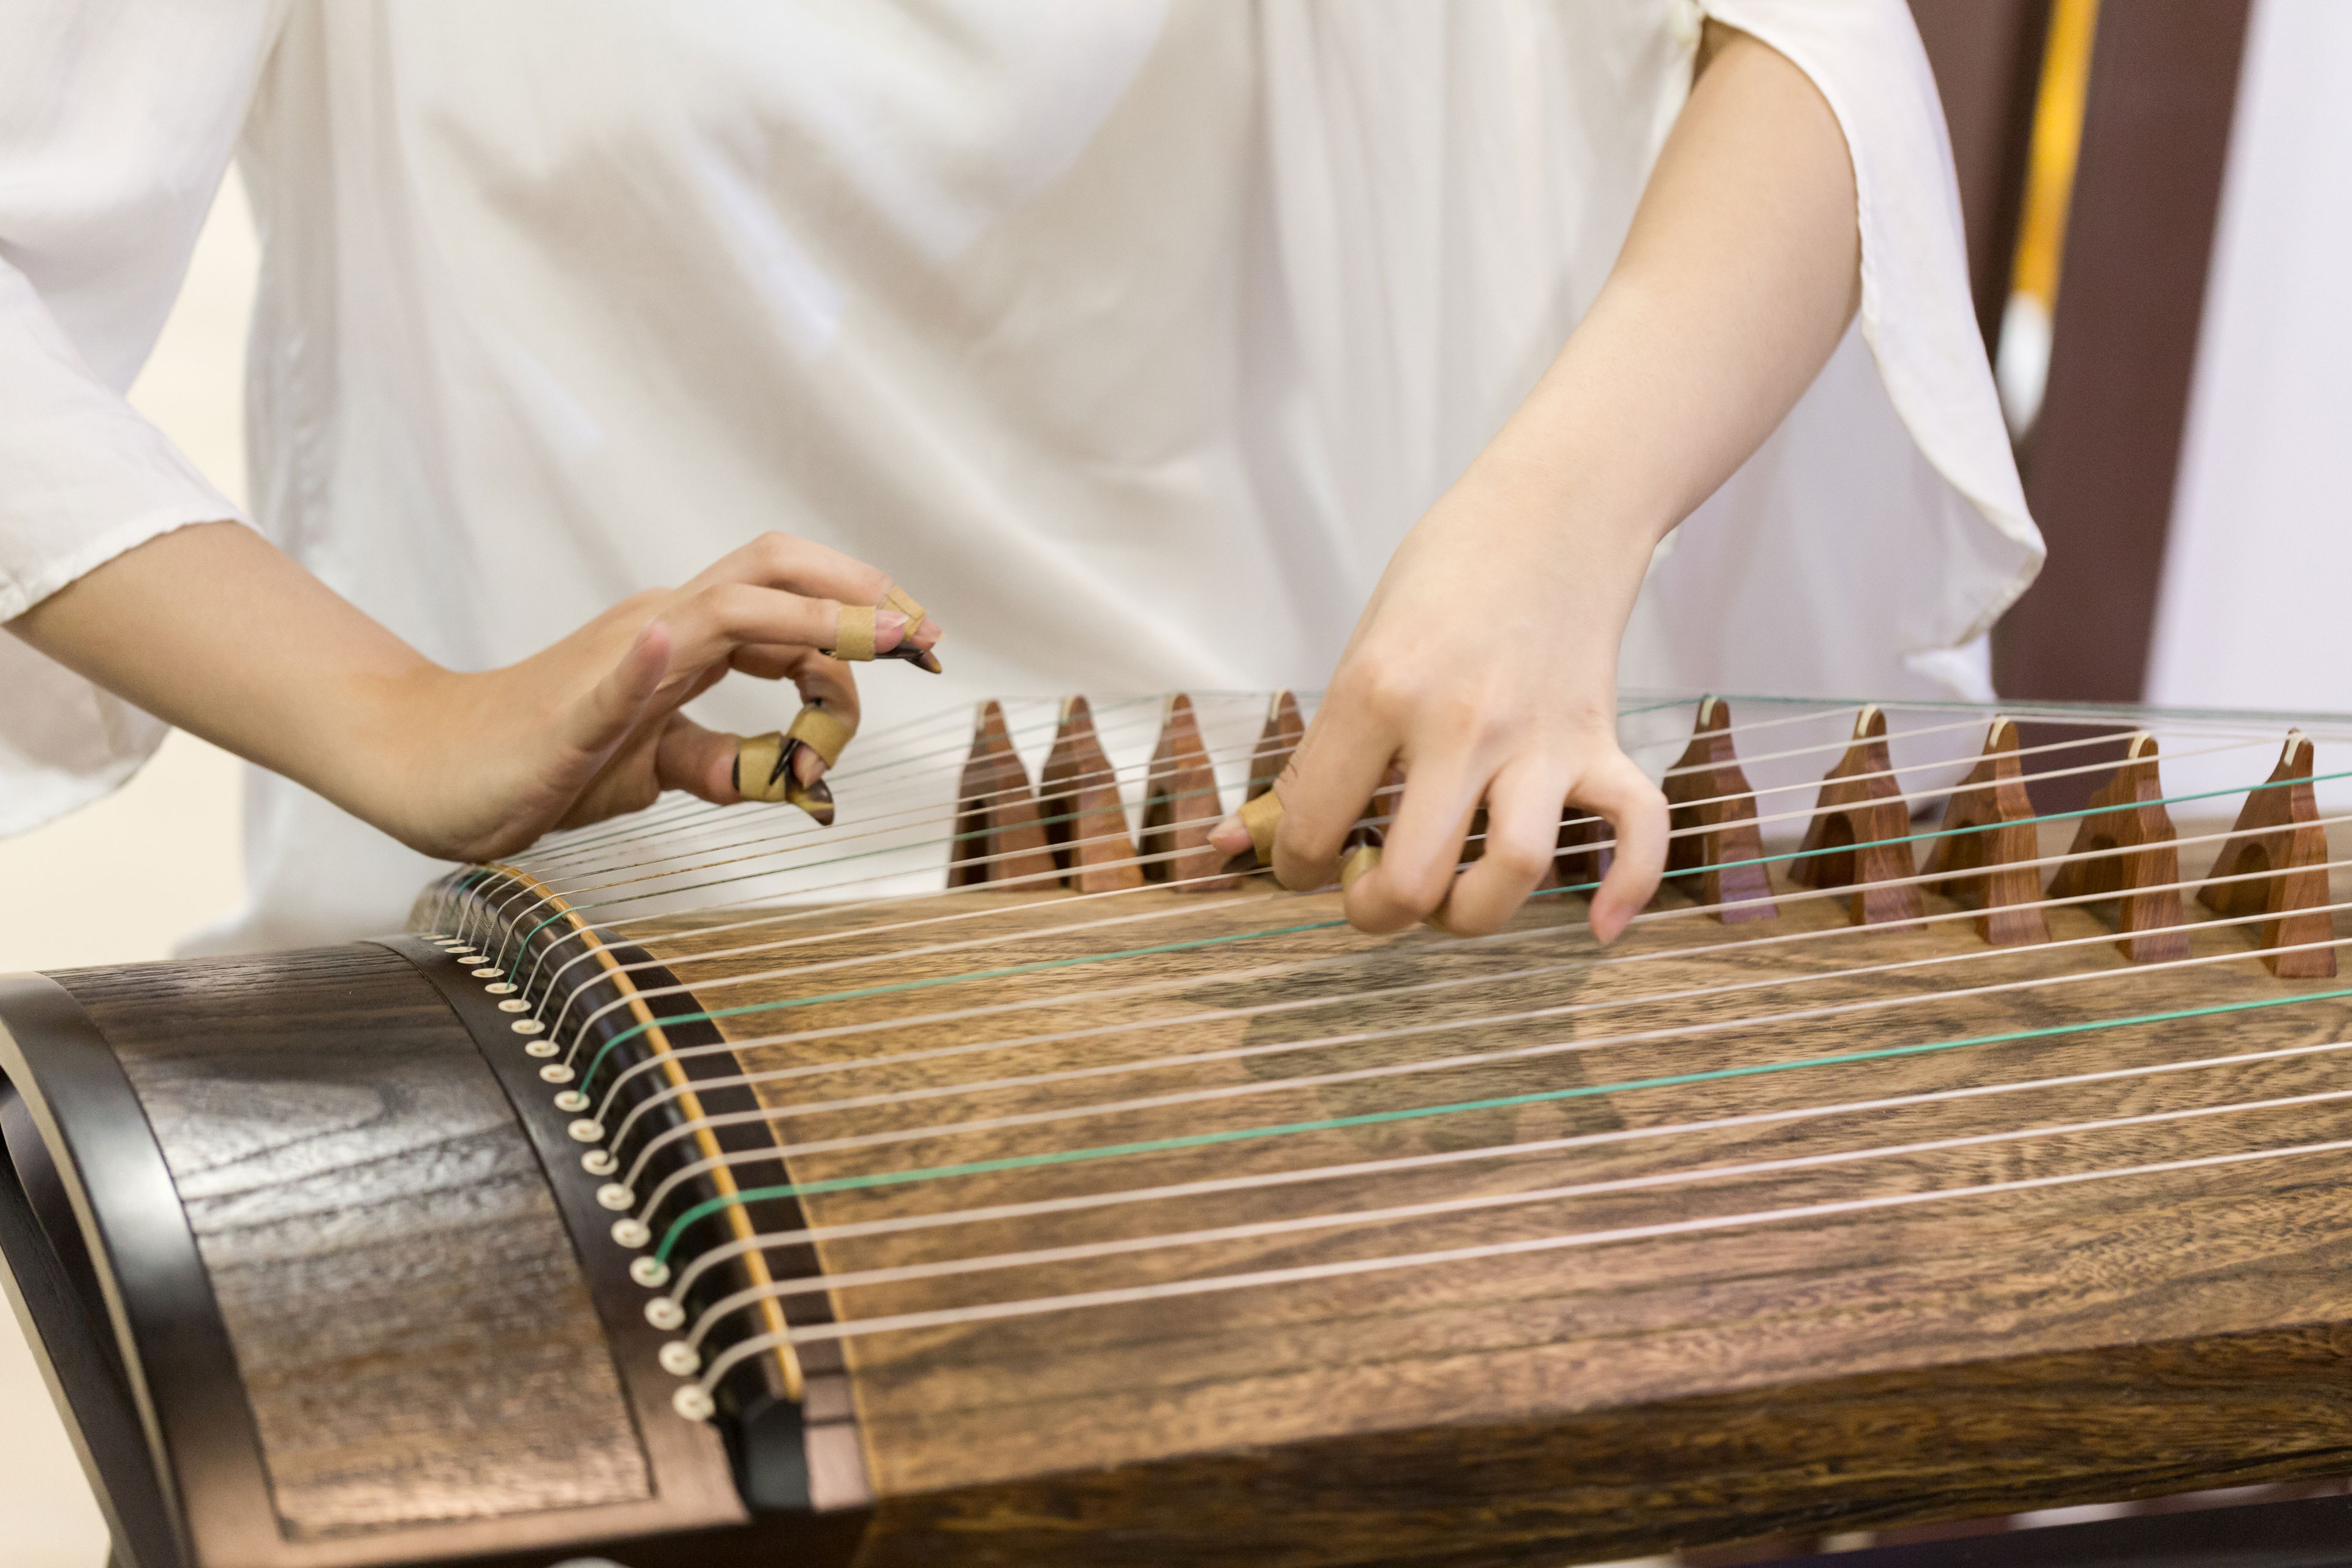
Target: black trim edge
(2304,1532)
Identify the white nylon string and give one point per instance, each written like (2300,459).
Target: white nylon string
(1172,1289)
(1280,1047)
(1392,1213)
(853,1063)
(563,1007)
(1223,1092)
(711,1258)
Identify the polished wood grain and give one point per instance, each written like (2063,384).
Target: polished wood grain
(2126,846)
(2278,846)
(408,1318)
(1858,836)
(1926,1357)
(1180,804)
(1987,844)
(1084,818)
(1000,836)
(1717,854)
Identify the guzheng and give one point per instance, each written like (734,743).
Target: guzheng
(1002,1175)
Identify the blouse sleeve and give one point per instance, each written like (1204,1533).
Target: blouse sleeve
(118,120)
(1904,566)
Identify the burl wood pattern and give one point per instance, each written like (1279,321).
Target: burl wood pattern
(1180,804)
(1911,1355)
(1859,832)
(998,835)
(2278,832)
(2126,846)
(1985,846)
(1085,821)
(409,1319)
(1716,855)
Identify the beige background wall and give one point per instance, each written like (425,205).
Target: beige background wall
(124,879)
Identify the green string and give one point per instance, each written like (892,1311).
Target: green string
(1202,1140)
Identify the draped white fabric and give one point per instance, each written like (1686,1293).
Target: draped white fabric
(1130,337)
(2261,547)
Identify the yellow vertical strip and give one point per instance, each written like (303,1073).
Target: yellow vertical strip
(2057,144)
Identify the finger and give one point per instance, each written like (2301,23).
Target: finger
(601,720)
(711,624)
(800,566)
(1231,835)
(1523,809)
(1619,791)
(1422,851)
(830,682)
(698,761)
(770,661)
(803,566)
(1340,761)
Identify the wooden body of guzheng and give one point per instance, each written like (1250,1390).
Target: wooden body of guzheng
(1965,1129)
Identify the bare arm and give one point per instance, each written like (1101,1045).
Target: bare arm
(215,630)
(1487,659)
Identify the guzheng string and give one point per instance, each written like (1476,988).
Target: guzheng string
(628,1125)
(1770,818)
(564,1009)
(1056,930)
(1909,798)
(628,881)
(1168,1289)
(685,1278)
(1832,746)
(1214,906)
(1240,1053)
(652,1202)
(779,1075)
(1390,1214)
(1005,972)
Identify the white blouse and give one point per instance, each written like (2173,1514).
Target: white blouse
(1130,336)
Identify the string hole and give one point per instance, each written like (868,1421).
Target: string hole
(653,1274)
(631,1232)
(525,1026)
(599,1163)
(541,1049)
(556,1073)
(572,1099)
(664,1313)
(679,1358)
(487,974)
(693,1403)
(587,1131)
(502,988)
(514,1004)
(613,1196)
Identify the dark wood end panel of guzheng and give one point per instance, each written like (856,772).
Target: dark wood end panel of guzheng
(371,1339)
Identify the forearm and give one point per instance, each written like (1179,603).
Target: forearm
(215,630)
(1736,281)
(211,628)
(1486,660)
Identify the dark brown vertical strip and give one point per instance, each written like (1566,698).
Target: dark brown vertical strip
(2100,463)
(1987,56)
